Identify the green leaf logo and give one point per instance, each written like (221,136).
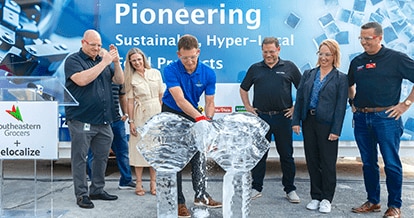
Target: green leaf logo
(15,112)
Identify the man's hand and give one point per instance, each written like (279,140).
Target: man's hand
(289,112)
(114,53)
(397,110)
(124,117)
(251,110)
(106,56)
(200,118)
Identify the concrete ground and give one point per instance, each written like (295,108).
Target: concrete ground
(24,196)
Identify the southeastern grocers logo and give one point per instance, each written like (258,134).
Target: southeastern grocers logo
(15,112)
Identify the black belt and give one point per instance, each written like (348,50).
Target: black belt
(270,112)
(312,112)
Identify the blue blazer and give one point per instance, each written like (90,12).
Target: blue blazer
(332,99)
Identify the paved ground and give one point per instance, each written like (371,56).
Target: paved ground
(56,199)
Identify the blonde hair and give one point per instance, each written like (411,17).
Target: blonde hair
(129,69)
(333,46)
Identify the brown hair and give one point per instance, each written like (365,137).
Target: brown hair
(187,42)
(376,26)
(271,40)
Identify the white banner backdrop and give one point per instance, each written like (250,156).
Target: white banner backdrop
(29,130)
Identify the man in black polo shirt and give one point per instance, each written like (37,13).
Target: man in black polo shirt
(375,78)
(88,79)
(272,101)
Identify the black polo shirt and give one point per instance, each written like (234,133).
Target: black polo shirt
(378,77)
(272,86)
(96,104)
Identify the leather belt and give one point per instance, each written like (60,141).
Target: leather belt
(372,109)
(270,112)
(312,112)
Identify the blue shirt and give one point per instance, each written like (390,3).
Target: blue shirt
(202,80)
(317,85)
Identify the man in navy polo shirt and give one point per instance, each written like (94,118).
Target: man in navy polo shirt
(89,79)
(272,101)
(375,78)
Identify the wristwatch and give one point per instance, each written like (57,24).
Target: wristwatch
(130,121)
(126,115)
(407,102)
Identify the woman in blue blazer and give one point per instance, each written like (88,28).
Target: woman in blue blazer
(320,108)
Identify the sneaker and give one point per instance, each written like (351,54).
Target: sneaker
(293,197)
(313,205)
(131,185)
(325,206)
(183,211)
(255,194)
(209,202)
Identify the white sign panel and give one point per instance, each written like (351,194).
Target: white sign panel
(28,130)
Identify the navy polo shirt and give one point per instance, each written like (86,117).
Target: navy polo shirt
(96,104)
(378,77)
(203,79)
(272,86)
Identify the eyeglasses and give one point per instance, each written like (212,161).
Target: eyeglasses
(320,54)
(269,52)
(93,44)
(367,38)
(188,58)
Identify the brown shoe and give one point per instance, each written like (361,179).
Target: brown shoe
(367,207)
(209,202)
(392,212)
(183,211)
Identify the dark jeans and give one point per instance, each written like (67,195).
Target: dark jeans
(371,130)
(321,156)
(197,166)
(280,127)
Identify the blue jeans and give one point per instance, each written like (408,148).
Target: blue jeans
(120,148)
(280,127)
(372,129)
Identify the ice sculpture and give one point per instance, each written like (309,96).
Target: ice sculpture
(239,145)
(236,142)
(167,143)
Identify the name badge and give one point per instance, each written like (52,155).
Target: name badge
(370,65)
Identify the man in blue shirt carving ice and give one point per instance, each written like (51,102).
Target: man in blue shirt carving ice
(187,79)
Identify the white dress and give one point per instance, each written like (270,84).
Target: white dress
(145,91)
